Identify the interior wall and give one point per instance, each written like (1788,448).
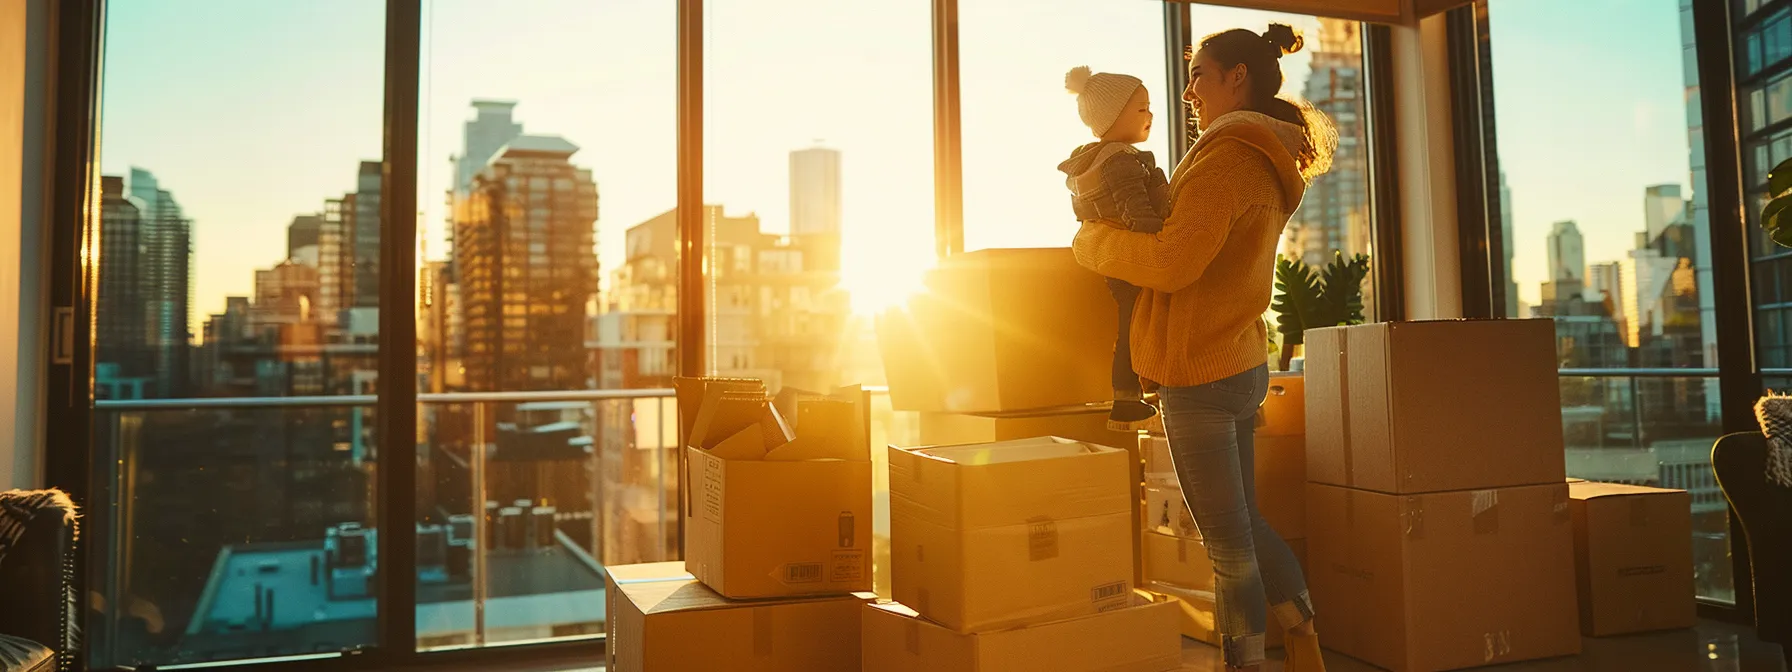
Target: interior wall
(24,132)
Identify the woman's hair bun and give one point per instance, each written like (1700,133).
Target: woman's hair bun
(1283,38)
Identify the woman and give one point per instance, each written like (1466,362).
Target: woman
(1197,330)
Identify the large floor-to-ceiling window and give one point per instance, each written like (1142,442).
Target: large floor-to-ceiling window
(1601,200)
(241,282)
(237,332)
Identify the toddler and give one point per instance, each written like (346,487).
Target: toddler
(1115,183)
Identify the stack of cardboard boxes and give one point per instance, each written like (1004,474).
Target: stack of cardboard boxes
(1175,563)
(1008,344)
(777,540)
(1439,524)
(1014,556)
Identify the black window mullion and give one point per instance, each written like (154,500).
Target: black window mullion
(396,425)
(1384,175)
(1739,379)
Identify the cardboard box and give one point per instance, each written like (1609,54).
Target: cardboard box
(662,619)
(1284,410)
(1088,423)
(1159,470)
(1084,423)
(1001,330)
(1000,535)
(1414,407)
(1279,469)
(1138,638)
(1443,581)
(1632,558)
(776,520)
(1166,513)
(1177,561)
(1196,602)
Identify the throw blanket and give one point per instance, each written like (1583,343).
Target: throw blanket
(19,507)
(1774,412)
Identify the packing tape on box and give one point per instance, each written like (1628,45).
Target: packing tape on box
(1042,539)
(1413,514)
(762,632)
(1344,405)
(1181,550)
(911,637)
(923,601)
(1485,507)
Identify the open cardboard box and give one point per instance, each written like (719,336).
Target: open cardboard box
(775,508)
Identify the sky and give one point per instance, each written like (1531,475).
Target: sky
(253,112)
(1589,103)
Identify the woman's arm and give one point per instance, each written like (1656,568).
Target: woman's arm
(1193,233)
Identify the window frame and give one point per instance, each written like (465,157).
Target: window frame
(1739,374)
(80,29)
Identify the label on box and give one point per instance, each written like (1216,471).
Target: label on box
(713,490)
(1042,539)
(848,565)
(1110,596)
(802,572)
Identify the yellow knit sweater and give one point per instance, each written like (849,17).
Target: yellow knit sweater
(1209,274)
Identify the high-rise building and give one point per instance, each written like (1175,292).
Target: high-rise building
(1333,216)
(1514,305)
(122,349)
(526,265)
(362,235)
(489,130)
(1567,263)
(304,231)
(145,284)
(1662,207)
(815,192)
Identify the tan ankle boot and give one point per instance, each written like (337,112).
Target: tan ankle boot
(1301,653)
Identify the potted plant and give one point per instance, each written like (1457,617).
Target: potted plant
(1774,218)
(1308,300)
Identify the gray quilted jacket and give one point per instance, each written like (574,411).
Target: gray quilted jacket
(1116,183)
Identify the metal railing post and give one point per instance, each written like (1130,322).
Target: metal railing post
(482,545)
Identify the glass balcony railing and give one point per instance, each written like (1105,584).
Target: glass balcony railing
(1655,427)
(244,528)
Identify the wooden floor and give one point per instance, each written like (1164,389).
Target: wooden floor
(1711,647)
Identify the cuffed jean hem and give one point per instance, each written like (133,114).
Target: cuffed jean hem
(1243,651)
(1294,612)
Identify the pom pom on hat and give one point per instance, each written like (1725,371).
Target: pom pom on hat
(1077,78)
(1100,96)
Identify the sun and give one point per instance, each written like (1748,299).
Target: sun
(882,283)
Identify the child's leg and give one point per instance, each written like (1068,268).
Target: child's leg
(1126,381)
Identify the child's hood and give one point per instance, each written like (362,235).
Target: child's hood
(1087,157)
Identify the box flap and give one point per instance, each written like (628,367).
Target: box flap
(724,412)
(689,392)
(1023,450)
(1584,490)
(829,429)
(651,571)
(746,444)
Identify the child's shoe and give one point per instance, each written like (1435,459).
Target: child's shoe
(1133,415)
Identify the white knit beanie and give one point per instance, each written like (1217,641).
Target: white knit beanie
(1100,96)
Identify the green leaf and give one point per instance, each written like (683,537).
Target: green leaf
(1297,300)
(1342,296)
(1779,180)
(1774,218)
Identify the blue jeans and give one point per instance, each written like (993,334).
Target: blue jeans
(1211,431)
